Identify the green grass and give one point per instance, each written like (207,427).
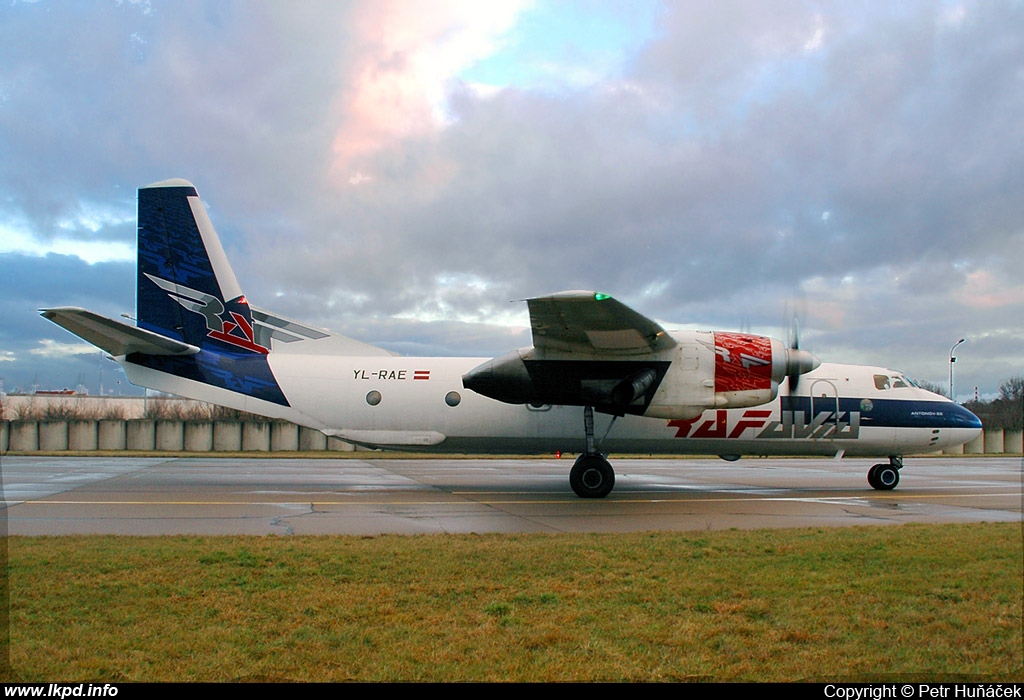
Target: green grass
(883,603)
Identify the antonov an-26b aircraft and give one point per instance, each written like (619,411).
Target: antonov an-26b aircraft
(657,391)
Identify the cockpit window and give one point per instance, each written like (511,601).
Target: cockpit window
(895,381)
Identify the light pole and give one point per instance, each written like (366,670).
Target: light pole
(952,393)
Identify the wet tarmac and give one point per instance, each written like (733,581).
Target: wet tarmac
(285,496)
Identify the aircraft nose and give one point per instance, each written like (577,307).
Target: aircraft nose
(965,418)
(964,425)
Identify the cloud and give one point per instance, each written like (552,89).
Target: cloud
(984,290)
(52,349)
(397,84)
(16,239)
(715,167)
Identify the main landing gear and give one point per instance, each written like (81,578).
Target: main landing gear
(592,475)
(885,477)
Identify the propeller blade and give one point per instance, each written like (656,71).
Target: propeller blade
(798,362)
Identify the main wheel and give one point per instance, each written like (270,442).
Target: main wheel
(873,476)
(592,476)
(883,477)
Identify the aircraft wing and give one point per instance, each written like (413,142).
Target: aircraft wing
(593,324)
(115,337)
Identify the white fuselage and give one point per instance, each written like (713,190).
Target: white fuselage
(389,401)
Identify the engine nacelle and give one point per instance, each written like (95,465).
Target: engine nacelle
(610,386)
(725,370)
(701,371)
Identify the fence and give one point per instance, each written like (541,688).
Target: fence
(82,435)
(163,436)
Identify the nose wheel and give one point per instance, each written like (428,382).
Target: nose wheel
(885,477)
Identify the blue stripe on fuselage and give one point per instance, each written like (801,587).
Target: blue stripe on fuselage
(890,413)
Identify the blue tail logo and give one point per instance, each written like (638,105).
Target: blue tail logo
(227,325)
(186,290)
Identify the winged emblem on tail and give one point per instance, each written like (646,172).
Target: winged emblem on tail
(227,326)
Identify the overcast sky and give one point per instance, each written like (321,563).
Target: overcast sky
(400,172)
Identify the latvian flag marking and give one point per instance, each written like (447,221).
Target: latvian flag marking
(421,374)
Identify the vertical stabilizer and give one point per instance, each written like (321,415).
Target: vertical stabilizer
(186,287)
(188,292)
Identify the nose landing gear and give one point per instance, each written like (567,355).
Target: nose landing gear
(885,477)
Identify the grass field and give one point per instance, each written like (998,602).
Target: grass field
(881,603)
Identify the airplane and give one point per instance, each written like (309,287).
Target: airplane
(657,391)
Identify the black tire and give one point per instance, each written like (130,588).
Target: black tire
(873,476)
(883,477)
(592,477)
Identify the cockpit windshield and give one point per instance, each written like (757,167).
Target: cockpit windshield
(892,381)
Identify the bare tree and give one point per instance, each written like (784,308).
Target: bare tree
(939,389)
(1011,400)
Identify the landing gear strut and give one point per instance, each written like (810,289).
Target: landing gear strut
(885,477)
(591,476)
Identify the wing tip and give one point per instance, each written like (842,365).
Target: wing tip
(573,295)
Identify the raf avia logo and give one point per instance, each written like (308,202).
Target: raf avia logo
(742,362)
(746,359)
(229,327)
(755,423)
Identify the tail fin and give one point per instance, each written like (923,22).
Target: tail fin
(186,288)
(196,335)
(188,292)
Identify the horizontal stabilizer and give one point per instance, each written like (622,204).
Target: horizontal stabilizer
(115,337)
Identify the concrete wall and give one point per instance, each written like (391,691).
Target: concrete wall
(170,424)
(163,436)
(112,435)
(59,423)
(1013,442)
(258,436)
(24,436)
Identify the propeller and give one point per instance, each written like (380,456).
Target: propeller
(798,362)
(794,344)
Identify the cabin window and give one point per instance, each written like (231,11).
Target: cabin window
(373,398)
(452,398)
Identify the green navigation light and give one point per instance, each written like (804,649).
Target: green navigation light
(601,297)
